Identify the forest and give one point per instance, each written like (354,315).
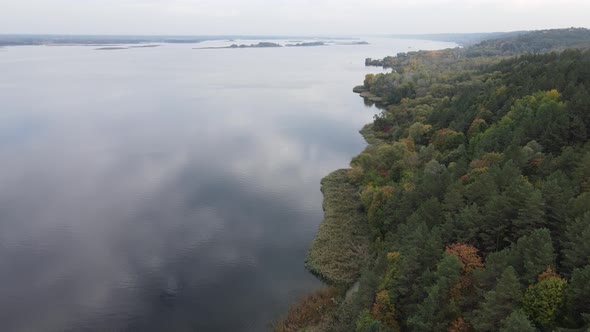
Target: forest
(469,210)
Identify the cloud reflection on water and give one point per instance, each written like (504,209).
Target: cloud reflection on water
(141,190)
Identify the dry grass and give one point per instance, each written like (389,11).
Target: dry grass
(341,244)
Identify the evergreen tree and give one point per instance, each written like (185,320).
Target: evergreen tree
(578,295)
(557,192)
(517,322)
(366,323)
(495,230)
(466,224)
(576,243)
(534,254)
(582,173)
(531,215)
(420,249)
(499,302)
(580,205)
(438,310)
(492,154)
(495,264)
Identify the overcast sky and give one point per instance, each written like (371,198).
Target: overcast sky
(287,17)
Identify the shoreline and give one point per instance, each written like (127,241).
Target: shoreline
(337,255)
(342,241)
(457,188)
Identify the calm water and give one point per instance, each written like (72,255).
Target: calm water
(169,188)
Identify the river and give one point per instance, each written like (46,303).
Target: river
(169,188)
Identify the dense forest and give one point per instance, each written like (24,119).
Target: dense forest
(469,210)
(460,38)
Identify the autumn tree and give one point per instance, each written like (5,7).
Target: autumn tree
(384,311)
(460,325)
(544,301)
(467,255)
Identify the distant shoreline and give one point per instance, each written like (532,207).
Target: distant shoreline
(55,39)
(275,45)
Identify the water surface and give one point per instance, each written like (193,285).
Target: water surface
(168,188)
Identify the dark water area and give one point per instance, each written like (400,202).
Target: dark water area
(169,189)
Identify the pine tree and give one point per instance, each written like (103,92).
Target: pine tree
(557,192)
(366,323)
(578,295)
(582,173)
(436,313)
(467,223)
(495,264)
(495,230)
(576,243)
(498,303)
(531,215)
(534,254)
(580,205)
(517,322)
(420,249)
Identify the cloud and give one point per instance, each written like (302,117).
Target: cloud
(193,17)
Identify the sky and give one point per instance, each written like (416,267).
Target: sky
(287,17)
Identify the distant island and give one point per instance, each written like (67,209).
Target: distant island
(235,46)
(323,43)
(111,48)
(308,44)
(148,41)
(114,48)
(292,44)
(260,44)
(355,43)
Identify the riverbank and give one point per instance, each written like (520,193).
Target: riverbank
(338,255)
(337,252)
(459,186)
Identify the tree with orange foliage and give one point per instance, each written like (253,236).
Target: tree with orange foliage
(467,255)
(470,260)
(460,325)
(384,311)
